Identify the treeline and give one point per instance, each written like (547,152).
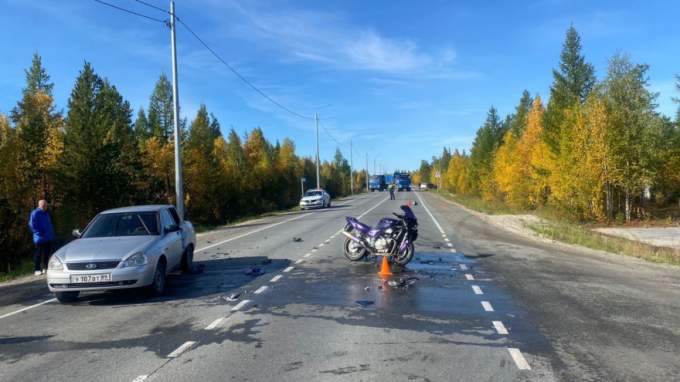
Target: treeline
(95,156)
(597,151)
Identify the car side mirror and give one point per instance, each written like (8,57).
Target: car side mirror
(76,233)
(173,228)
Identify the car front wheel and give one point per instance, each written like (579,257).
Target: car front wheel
(157,287)
(66,297)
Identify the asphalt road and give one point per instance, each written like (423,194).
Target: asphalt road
(484,305)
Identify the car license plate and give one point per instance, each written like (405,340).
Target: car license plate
(99,278)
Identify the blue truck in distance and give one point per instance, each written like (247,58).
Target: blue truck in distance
(377,182)
(402,181)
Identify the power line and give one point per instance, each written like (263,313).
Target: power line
(242,78)
(152,6)
(129,11)
(329,133)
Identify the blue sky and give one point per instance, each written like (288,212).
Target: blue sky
(402,78)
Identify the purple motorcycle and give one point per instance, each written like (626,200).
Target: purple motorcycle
(391,237)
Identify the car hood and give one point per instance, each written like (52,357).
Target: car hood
(311,198)
(104,248)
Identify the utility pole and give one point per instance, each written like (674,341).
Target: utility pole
(367,189)
(179,180)
(302,186)
(316,118)
(351,168)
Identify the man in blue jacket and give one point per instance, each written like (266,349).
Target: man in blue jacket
(40,224)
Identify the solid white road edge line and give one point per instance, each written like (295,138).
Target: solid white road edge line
(261,289)
(288,269)
(185,346)
(27,308)
(240,305)
(275,278)
(477,289)
(252,232)
(487,306)
(519,359)
(214,324)
(500,328)
(430,213)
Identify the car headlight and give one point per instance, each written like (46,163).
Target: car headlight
(55,264)
(135,260)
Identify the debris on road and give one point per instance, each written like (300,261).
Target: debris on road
(402,282)
(254,271)
(367,289)
(365,303)
(297,239)
(232,297)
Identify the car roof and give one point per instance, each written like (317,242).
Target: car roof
(143,208)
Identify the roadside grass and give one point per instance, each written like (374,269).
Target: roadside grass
(25,268)
(555,226)
(580,235)
(476,203)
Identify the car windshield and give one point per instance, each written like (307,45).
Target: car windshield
(123,224)
(313,193)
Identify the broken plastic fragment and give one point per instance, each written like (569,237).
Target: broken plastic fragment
(254,271)
(297,239)
(233,297)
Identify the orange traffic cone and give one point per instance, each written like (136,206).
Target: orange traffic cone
(385,270)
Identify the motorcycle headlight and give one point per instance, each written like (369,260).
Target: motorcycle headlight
(55,264)
(135,260)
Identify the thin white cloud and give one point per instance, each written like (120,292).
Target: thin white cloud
(331,40)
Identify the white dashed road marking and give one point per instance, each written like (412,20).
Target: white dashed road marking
(446,239)
(477,289)
(261,289)
(450,245)
(469,276)
(500,328)
(275,278)
(320,245)
(307,254)
(140,378)
(519,359)
(487,306)
(299,261)
(214,324)
(185,346)
(240,305)
(463,267)
(288,269)
(453,250)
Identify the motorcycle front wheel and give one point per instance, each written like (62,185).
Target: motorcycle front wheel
(405,257)
(353,250)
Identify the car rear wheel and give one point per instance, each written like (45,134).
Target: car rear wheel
(157,287)
(329,204)
(66,297)
(188,260)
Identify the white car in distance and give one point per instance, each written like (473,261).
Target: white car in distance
(315,198)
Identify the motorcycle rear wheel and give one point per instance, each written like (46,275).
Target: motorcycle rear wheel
(354,251)
(405,258)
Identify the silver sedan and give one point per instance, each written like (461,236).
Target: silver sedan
(123,248)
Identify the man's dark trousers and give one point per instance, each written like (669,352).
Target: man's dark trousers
(41,256)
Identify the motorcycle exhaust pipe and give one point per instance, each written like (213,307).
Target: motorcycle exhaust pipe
(354,239)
